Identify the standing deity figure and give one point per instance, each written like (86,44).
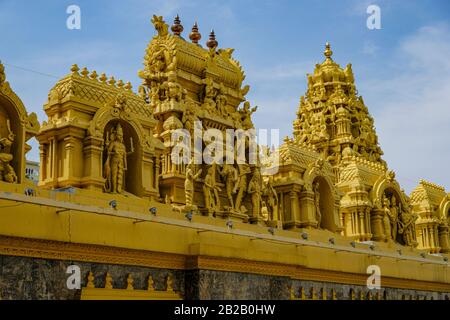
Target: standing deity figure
(191,177)
(317,203)
(254,189)
(221,101)
(211,190)
(394,217)
(116,161)
(271,198)
(246,115)
(387,220)
(241,185)
(230,174)
(209,96)
(7,172)
(189,118)
(407,227)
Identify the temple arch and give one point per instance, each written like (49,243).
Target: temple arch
(326,203)
(134,140)
(132,170)
(323,195)
(16,128)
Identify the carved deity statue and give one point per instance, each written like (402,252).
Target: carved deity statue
(407,227)
(318,213)
(254,189)
(211,190)
(270,197)
(209,96)
(246,115)
(241,185)
(189,117)
(387,220)
(221,101)
(116,161)
(394,210)
(191,177)
(230,175)
(7,172)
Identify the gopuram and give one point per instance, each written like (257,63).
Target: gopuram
(318,218)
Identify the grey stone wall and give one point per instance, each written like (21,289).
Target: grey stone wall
(38,279)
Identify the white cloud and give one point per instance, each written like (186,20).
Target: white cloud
(414,121)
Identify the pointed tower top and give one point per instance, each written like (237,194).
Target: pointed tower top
(328,52)
(212,42)
(195,36)
(177,28)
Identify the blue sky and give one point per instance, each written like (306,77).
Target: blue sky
(402,70)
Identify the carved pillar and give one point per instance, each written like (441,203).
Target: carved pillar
(376,220)
(68,163)
(93,163)
(157,166)
(307,215)
(147,174)
(443,239)
(43,149)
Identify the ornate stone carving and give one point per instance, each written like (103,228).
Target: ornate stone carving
(7,172)
(211,190)
(191,177)
(254,190)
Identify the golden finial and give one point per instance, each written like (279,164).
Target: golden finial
(195,36)
(151,284)
(108,281)
(120,84)
(130,282)
(85,72)
(93,75)
(103,78)
(74,69)
(328,53)
(177,28)
(90,278)
(212,42)
(112,81)
(128,86)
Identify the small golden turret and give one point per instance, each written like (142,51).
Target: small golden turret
(195,36)
(212,42)
(177,28)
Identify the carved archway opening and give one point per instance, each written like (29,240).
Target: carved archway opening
(326,203)
(132,176)
(10,122)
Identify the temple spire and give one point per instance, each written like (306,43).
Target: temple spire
(328,52)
